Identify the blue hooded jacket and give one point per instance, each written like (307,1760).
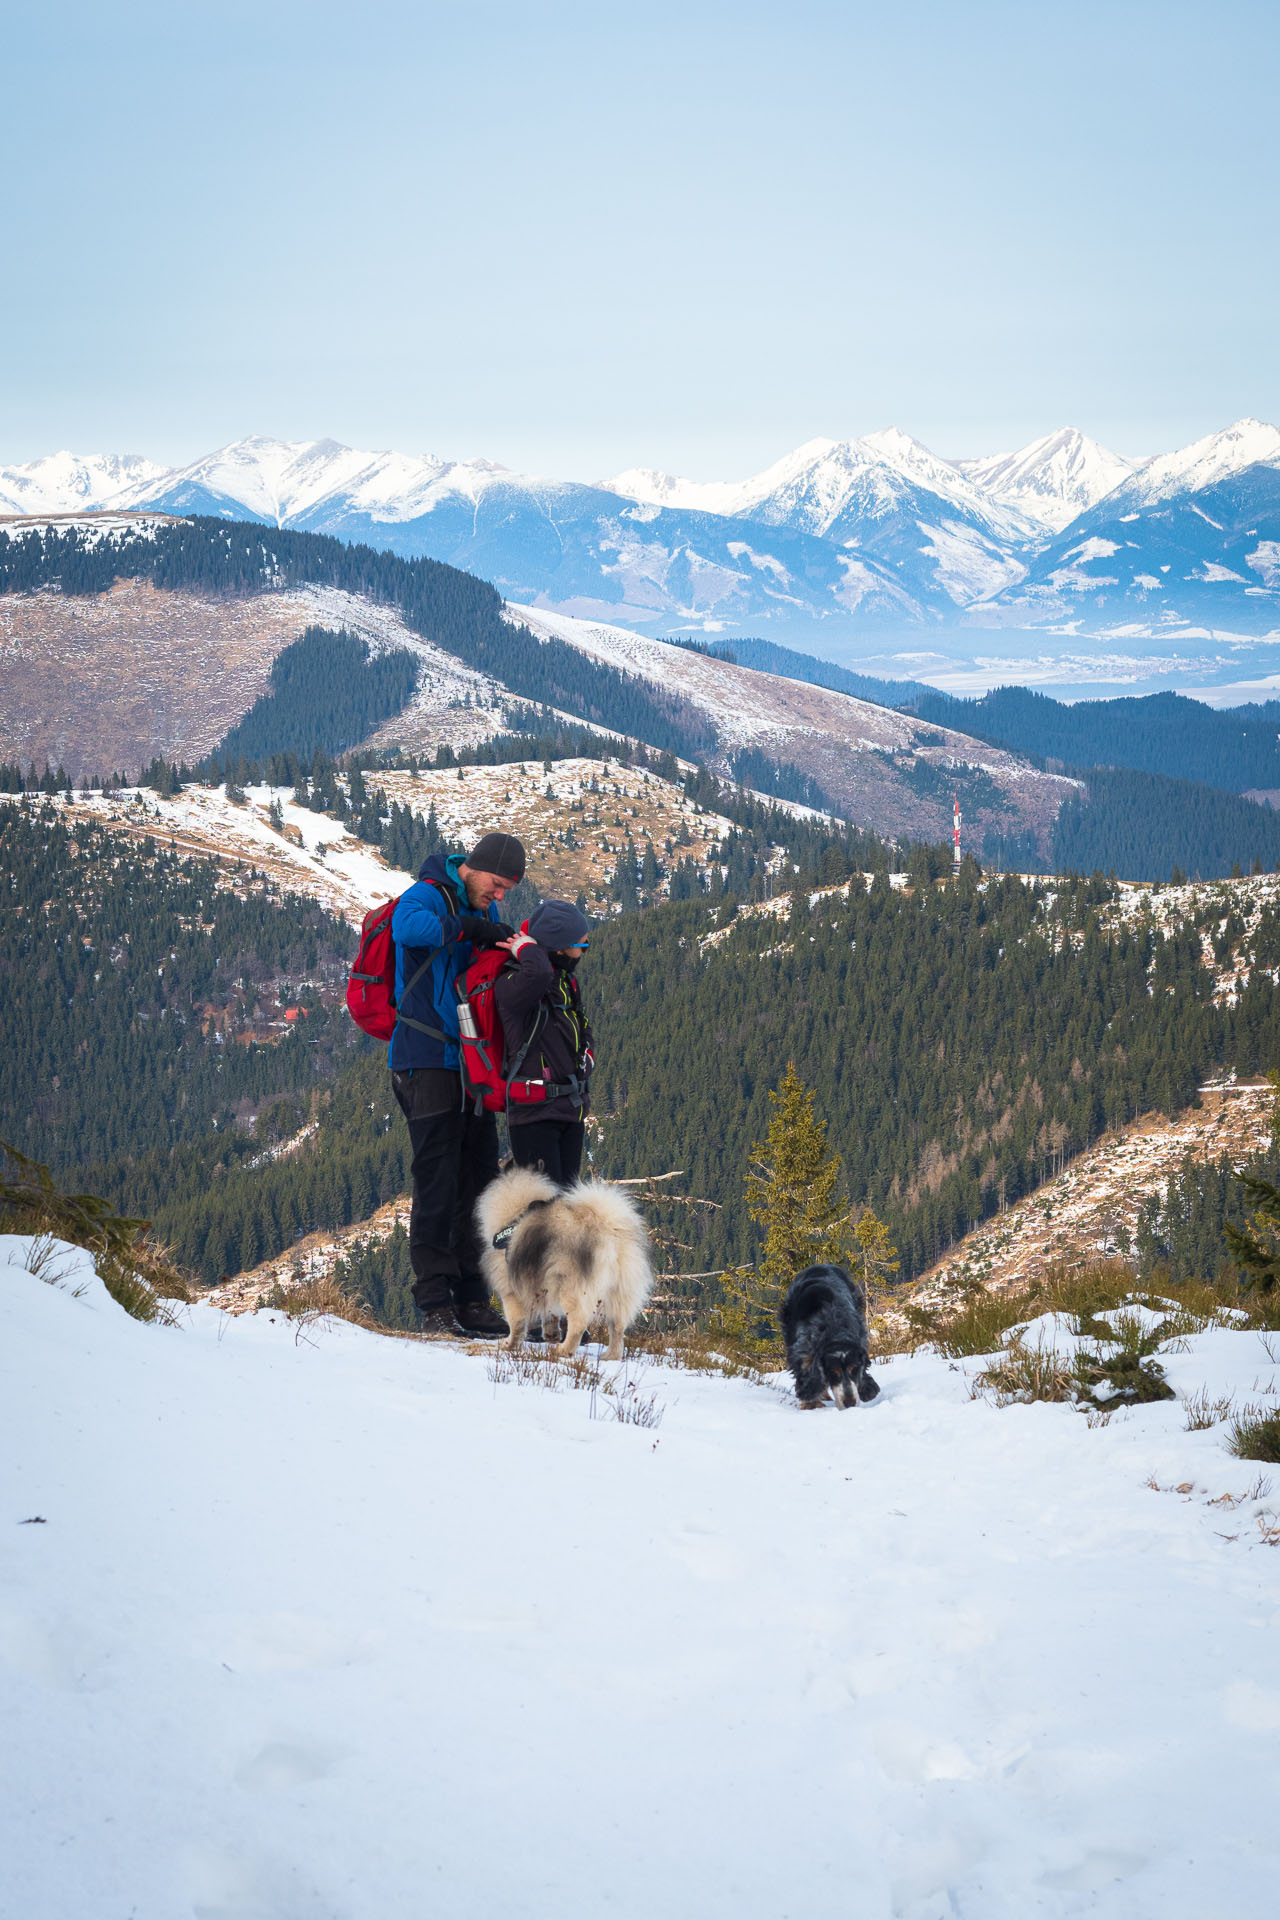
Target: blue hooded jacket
(426,916)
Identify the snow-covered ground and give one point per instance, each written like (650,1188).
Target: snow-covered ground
(336,1626)
(315,855)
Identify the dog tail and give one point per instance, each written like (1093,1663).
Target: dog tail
(507,1197)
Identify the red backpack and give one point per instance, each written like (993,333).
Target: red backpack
(371,983)
(483,1045)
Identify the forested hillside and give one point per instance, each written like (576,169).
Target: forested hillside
(146,1001)
(963,1039)
(457,612)
(1144,826)
(1233,748)
(327,694)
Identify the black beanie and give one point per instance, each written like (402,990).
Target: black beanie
(499,853)
(557,924)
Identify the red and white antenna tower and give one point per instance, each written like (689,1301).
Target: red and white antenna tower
(955,836)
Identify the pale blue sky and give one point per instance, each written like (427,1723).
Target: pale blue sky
(580,237)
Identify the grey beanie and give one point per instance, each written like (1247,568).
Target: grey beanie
(557,924)
(499,853)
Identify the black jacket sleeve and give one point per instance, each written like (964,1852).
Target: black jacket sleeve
(519,990)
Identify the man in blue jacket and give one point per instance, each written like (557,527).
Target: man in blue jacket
(437,927)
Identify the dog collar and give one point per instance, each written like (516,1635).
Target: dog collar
(504,1236)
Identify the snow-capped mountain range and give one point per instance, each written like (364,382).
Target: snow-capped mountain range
(878,528)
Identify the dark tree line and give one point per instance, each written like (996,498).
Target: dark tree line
(1232,748)
(327,693)
(961,1041)
(132,983)
(1144,826)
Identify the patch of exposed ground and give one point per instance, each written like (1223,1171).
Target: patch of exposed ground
(1091,1209)
(104,682)
(574,817)
(885,770)
(312,1258)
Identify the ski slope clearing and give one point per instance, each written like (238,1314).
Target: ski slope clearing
(339,1627)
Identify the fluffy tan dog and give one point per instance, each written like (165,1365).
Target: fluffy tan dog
(583,1253)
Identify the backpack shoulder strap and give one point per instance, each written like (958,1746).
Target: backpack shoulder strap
(404,1019)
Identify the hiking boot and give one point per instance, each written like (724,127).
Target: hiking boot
(440,1323)
(478,1318)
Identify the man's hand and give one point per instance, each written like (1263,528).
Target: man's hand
(481,931)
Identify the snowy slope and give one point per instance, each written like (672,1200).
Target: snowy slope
(1209,557)
(302,483)
(835,536)
(338,1627)
(1205,463)
(884,495)
(315,856)
(1053,479)
(861,754)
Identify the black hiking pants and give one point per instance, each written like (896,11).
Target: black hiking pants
(556,1145)
(455,1156)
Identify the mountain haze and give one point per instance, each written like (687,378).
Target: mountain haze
(834,539)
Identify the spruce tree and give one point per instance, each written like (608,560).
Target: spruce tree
(793,1193)
(1256,1246)
(875,1257)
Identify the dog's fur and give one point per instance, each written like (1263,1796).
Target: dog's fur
(582,1252)
(824,1324)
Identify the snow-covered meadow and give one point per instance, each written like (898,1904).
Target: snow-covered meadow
(320,1625)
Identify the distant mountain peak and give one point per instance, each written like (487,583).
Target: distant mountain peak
(1053,479)
(1205,462)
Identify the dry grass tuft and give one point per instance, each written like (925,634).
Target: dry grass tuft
(699,1350)
(1254,1434)
(614,1394)
(324,1299)
(1023,1373)
(1203,1410)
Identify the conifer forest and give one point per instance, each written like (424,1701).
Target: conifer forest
(176,1044)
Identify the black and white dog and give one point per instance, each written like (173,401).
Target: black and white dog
(824,1324)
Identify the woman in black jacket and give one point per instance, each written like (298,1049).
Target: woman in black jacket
(540,1006)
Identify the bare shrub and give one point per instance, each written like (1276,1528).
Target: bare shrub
(614,1393)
